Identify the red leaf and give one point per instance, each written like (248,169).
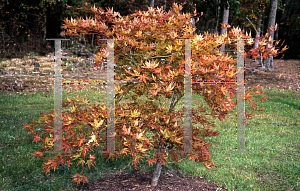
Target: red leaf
(221,117)
(36,139)
(258,92)
(78,178)
(38,154)
(264,98)
(253,104)
(168,66)
(151,161)
(257,86)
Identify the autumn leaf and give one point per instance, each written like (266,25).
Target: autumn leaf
(258,92)
(257,86)
(126,130)
(93,139)
(253,104)
(150,65)
(79,178)
(91,163)
(169,48)
(139,135)
(81,162)
(170,87)
(135,114)
(36,139)
(38,154)
(264,98)
(223,25)
(143,78)
(96,124)
(151,161)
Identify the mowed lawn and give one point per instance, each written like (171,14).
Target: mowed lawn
(272,137)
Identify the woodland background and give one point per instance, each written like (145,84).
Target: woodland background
(26,24)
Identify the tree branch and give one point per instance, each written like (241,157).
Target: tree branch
(252,25)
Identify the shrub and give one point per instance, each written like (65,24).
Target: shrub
(149,77)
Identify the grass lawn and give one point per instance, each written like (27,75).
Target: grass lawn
(272,136)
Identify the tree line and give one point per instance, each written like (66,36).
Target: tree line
(25,25)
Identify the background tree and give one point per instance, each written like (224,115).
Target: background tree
(268,62)
(225,22)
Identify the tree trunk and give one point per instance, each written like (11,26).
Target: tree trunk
(257,33)
(44,22)
(217,15)
(225,21)
(157,171)
(193,25)
(152,3)
(158,168)
(268,62)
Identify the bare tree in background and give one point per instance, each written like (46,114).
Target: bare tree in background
(225,21)
(268,62)
(152,3)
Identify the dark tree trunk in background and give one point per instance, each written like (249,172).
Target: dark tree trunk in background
(225,21)
(152,3)
(217,15)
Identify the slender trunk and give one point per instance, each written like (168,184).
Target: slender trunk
(157,171)
(158,168)
(165,6)
(225,21)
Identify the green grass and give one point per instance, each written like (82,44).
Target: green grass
(272,136)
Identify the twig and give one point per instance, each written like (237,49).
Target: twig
(252,25)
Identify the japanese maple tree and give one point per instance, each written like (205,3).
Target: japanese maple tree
(144,123)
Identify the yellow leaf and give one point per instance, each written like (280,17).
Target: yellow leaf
(169,48)
(150,65)
(93,139)
(96,124)
(178,140)
(76,156)
(139,135)
(170,87)
(138,34)
(73,109)
(135,113)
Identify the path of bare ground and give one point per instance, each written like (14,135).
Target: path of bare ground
(169,181)
(285,76)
